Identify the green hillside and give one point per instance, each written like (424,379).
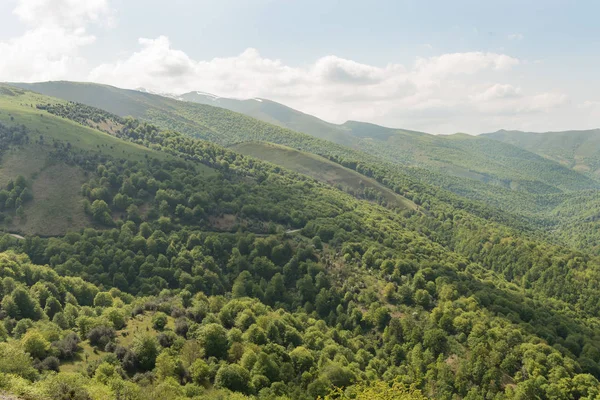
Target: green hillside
(286,117)
(205,273)
(19,107)
(456,155)
(579,150)
(487,161)
(277,114)
(55,185)
(501,182)
(484,160)
(324,170)
(225,127)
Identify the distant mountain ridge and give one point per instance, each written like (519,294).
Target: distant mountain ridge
(486,161)
(287,117)
(175,258)
(458,155)
(576,149)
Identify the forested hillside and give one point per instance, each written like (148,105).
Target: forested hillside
(579,150)
(456,155)
(277,114)
(194,271)
(462,156)
(495,181)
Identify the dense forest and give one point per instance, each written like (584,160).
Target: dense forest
(203,273)
(499,181)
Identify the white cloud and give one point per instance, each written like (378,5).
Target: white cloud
(506,99)
(516,36)
(338,70)
(545,101)
(49,48)
(463,63)
(337,89)
(44,53)
(498,91)
(521,105)
(158,66)
(440,94)
(590,104)
(64,13)
(591,111)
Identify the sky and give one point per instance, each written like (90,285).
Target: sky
(436,66)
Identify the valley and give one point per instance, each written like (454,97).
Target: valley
(168,249)
(299,200)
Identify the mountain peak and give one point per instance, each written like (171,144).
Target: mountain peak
(206,94)
(156,93)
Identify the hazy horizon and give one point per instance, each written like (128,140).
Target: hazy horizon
(396,64)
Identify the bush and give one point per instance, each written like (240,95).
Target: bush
(166,339)
(49,364)
(70,386)
(22,327)
(214,339)
(103,299)
(116,317)
(145,348)
(159,321)
(181,327)
(233,377)
(35,344)
(101,335)
(68,346)
(14,360)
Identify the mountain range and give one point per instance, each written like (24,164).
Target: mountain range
(192,246)
(578,150)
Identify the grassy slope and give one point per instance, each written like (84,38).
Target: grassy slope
(457,155)
(225,127)
(480,159)
(56,205)
(286,117)
(319,168)
(20,105)
(138,325)
(492,162)
(277,114)
(579,150)
(450,162)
